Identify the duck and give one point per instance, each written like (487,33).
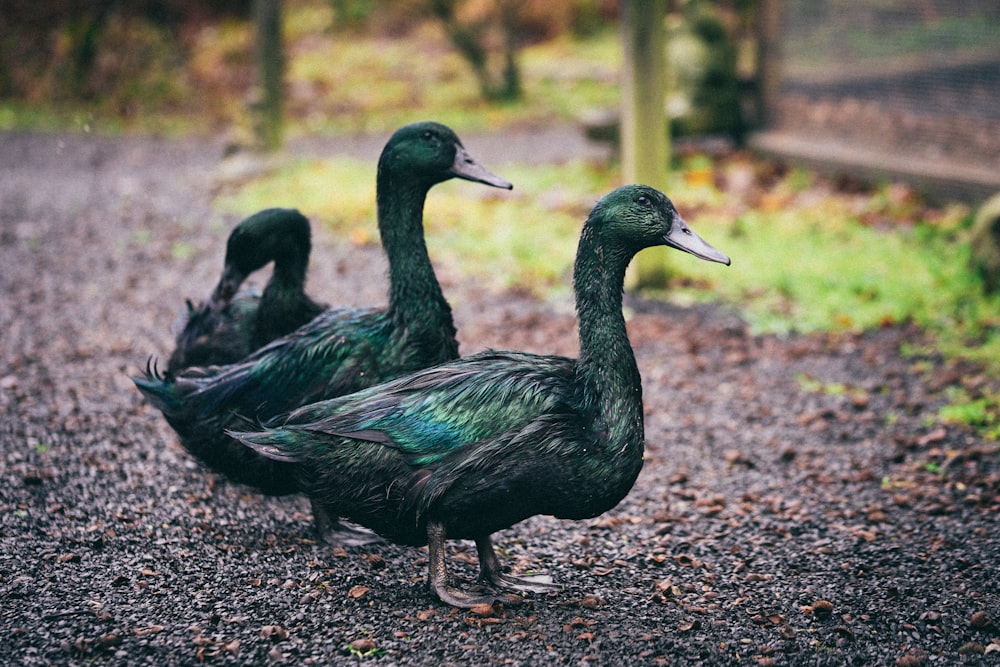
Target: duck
(473,446)
(234,320)
(341,350)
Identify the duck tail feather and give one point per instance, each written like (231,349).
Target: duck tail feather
(267,443)
(155,385)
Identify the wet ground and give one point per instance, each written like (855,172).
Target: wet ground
(799,504)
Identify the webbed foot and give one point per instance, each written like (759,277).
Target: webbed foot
(536,583)
(336,533)
(463,599)
(491,571)
(438,575)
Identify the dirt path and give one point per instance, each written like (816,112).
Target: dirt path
(799,504)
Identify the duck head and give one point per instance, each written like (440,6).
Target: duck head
(278,234)
(639,216)
(435,152)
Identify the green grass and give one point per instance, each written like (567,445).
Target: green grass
(981,413)
(815,268)
(525,238)
(805,258)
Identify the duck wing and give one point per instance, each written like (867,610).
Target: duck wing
(332,352)
(432,413)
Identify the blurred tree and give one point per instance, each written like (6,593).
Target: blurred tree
(479,36)
(55,48)
(84,31)
(270,73)
(703,77)
(351,13)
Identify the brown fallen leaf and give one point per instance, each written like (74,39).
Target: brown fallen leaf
(362,646)
(980,620)
(821,608)
(275,633)
(482,609)
(358,592)
(375,561)
(687,627)
(148,630)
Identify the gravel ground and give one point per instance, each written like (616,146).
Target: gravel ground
(799,503)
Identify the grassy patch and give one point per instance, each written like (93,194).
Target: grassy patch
(525,238)
(981,413)
(805,256)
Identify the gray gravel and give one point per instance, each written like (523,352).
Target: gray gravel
(799,502)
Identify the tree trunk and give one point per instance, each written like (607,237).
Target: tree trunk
(768,60)
(270,69)
(470,40)
(645,145)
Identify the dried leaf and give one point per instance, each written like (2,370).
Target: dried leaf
(358,592)
(275,633)
(363,645)
(482,609)
(148,630)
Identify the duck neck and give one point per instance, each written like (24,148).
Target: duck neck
(610,386)
(415,297)
(289,273)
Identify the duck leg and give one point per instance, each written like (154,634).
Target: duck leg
(438,578)
(491,571)
(334,532)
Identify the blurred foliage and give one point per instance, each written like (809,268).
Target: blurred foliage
(163,64)
(167,71)
(704,89)
(495,30)
(83,49)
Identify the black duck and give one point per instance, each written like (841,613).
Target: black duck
(341,350)
(473,446)
(234,322)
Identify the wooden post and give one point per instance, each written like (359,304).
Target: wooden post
(645,144)
(768,61)
(270,73)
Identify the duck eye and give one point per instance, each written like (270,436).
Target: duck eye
(428,134)
(643,200)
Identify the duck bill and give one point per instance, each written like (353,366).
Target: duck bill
(466,167)
(683,238)
(229,282)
